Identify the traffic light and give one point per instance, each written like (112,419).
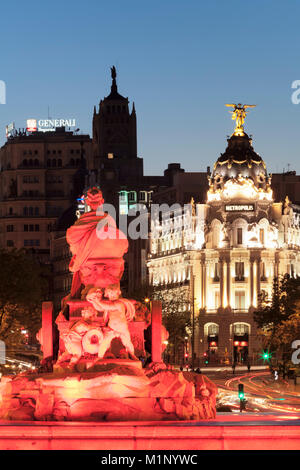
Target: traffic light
(205,355)
(241,392)
(243,401)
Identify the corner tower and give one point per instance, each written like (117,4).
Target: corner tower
(115,137)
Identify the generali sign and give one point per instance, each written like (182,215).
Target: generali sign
(45,125)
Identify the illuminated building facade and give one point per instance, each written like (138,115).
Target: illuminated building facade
(227,252)
(38,177)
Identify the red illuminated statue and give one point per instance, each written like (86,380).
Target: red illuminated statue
(97,246)
(93,379)
(118,312)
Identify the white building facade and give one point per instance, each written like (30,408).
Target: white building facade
(227,252)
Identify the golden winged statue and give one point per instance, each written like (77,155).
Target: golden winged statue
(238,115)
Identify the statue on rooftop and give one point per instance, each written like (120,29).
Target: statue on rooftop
(238,115)
(113,72)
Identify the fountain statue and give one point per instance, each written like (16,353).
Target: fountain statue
(99,374)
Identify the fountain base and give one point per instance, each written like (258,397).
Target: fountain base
(111,390)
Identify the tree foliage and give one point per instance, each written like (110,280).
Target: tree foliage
(278,318)
(23,286)
(176,314)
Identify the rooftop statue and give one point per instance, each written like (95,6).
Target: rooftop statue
(239,114)
(113,72)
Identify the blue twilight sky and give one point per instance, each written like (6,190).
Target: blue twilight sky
(179,60)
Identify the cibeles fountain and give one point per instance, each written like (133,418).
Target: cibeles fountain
(98,374)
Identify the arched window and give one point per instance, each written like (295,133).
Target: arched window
(240,229)
(54,162)
(216,233)
(211,329)
(240,329)
(59,162)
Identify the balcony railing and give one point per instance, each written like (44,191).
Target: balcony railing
(234,310)
(239,279)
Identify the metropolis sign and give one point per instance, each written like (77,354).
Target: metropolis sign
(47,125)
(240,208)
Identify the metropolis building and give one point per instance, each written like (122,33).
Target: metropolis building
(227,253)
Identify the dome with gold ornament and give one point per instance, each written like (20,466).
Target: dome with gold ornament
(240,162)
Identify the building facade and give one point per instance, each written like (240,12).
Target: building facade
(37,181)
(227,252)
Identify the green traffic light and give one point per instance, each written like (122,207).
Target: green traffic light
(241,392)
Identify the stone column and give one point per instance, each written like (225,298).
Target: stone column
(204,283)
(228,283)
(258,274)
(205,275)
(156,322)
(199,287)
(221,263)
(251,282)
(47,332)
(276,265)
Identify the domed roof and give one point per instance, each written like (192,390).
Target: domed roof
(239,159)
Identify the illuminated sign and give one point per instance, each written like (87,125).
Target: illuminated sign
(240,208)
(31,125)
(9,129)
(48,125)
